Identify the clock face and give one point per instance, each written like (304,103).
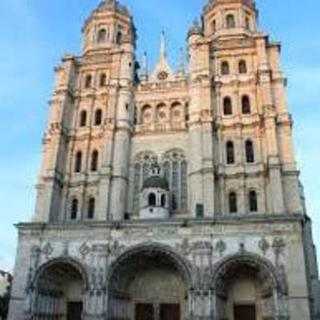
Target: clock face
(162,75)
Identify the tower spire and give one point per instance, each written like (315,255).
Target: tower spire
(144,67)
(163,53)
(162,70)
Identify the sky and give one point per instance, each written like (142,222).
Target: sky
(35,34)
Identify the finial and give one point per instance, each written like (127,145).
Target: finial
(144,67)
(195,28)
(162,45)
(181,66)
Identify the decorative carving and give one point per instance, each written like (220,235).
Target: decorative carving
(47,250)
(242,247)
(202,245)
(97,281)
(115,249)
(221,247)
(184,248)
(84,250)
(65,251)
(264,245)
(164,232)
(278,246)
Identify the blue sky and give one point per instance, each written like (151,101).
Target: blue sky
(36,33)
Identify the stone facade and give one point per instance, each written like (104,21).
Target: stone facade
(5,281)
(231,234)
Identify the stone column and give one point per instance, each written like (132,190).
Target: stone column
(122,135)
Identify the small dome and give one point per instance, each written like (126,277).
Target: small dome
(113,5)
(195,29)
(156,182)
(212,3)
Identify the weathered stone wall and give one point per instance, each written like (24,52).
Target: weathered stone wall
(203,245)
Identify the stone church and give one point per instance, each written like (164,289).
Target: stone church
(169,194)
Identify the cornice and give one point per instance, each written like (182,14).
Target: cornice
(177,222)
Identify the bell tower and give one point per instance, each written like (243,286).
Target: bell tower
(86,146)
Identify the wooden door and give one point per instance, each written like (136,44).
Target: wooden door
(74,311)
(247,312)
(170,312)
(144,311)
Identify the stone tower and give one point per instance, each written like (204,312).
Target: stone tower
(91,121)
(219,230)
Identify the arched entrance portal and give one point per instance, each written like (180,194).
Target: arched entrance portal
(148,283)
(59,291)
(247,288)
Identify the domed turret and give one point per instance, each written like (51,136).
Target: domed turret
(110,25)
(229,17)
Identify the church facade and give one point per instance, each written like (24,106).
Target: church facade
(171,194)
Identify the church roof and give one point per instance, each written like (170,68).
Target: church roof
(113,5)
(249,3)
(156,182)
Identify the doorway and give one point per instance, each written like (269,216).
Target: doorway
(165,311)
(169,312)
(74,310)
(245,312)
(144,311)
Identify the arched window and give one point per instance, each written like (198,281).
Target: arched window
(213,26)
(247,23)
(91,208)
(78,162)
(246,107)
(163,200)
(102,35)
(227,106)
(94,160)
(119,37)
(233,203)
(230,152)
(152,200)
(88,81)
(242,67)
(174,167)
(83,118)
(98,117)
(253,201)
(103,80)
(230,21)
(249,151)
(225,69)
(74,209)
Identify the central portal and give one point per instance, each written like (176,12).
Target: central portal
(157,312)
(245,312)
(148,286)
